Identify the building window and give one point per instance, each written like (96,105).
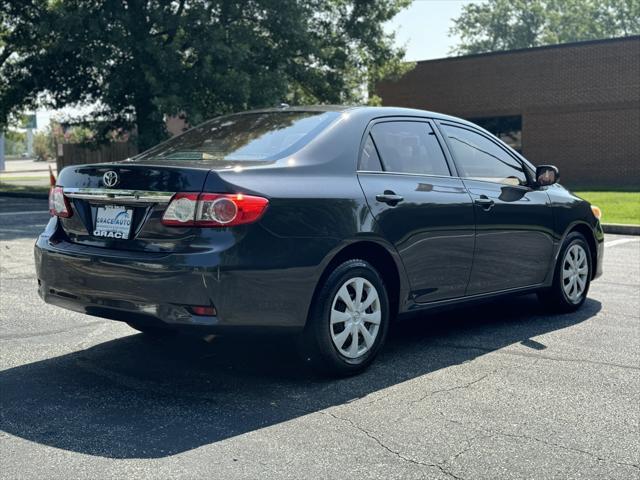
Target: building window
(507,129)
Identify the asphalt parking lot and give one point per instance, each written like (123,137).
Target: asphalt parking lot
(497,391)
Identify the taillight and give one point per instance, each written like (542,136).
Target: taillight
(58,203)
(203,311)
(213,209)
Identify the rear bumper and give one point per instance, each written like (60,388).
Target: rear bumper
(158,288)
(126,288)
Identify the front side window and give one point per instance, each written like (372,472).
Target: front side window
(409,147)
(246,137)
(479,158)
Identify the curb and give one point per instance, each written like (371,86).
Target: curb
(35,195)
(621,229)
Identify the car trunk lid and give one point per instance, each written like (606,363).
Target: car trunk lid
(120,206)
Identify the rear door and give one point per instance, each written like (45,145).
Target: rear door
(514,236)
(419,206)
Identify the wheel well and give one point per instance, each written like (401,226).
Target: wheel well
(591,241)
(380,258)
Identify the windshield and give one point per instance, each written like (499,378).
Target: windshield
(260,136)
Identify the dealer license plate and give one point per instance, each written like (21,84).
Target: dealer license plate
(113,221)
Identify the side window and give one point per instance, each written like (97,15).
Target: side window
(479,158)
(409,147)
(369,159)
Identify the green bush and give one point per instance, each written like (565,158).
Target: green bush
(43,146)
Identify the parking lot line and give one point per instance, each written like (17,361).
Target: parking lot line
(620,241)
(23,213)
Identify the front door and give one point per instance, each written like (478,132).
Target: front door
(514,222)
(419,207)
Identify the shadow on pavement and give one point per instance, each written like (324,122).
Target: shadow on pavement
(136,397)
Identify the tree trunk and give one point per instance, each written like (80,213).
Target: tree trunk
(150,124)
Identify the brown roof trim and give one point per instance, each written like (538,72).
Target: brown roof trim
(584,43)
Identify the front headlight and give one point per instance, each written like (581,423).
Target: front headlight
(596,212)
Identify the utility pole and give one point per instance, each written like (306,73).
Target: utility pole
(1,150)
(30,142)
(31,124)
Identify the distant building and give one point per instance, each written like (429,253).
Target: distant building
(574,105)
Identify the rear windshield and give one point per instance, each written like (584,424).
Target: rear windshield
(244,137)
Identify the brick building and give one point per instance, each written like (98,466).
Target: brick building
(575,105)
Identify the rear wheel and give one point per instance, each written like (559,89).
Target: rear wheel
(572,276)
(348,320)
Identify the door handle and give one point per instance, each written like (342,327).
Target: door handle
(485,202)
(390,198)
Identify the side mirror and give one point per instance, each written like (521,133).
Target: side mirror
(547,175)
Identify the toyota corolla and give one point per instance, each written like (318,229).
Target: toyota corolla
(327,222)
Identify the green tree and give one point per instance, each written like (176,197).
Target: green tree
(510,24)
(16,142)
(142,59)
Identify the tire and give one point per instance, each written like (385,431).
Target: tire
(327,342)
(152,331)
(573,267)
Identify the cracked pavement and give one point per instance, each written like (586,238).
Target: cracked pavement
(501,390)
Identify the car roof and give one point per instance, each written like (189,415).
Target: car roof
(366,110)
(407,112)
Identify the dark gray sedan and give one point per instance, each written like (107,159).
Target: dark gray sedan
(325,221)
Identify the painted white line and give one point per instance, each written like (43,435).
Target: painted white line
(24,213)
(20,230)
(620,241)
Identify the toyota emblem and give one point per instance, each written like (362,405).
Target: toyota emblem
(110,179)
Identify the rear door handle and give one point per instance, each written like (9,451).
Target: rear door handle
(485,202)
(389,197)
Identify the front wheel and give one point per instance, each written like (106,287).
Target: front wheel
(572,276)
(348,320)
